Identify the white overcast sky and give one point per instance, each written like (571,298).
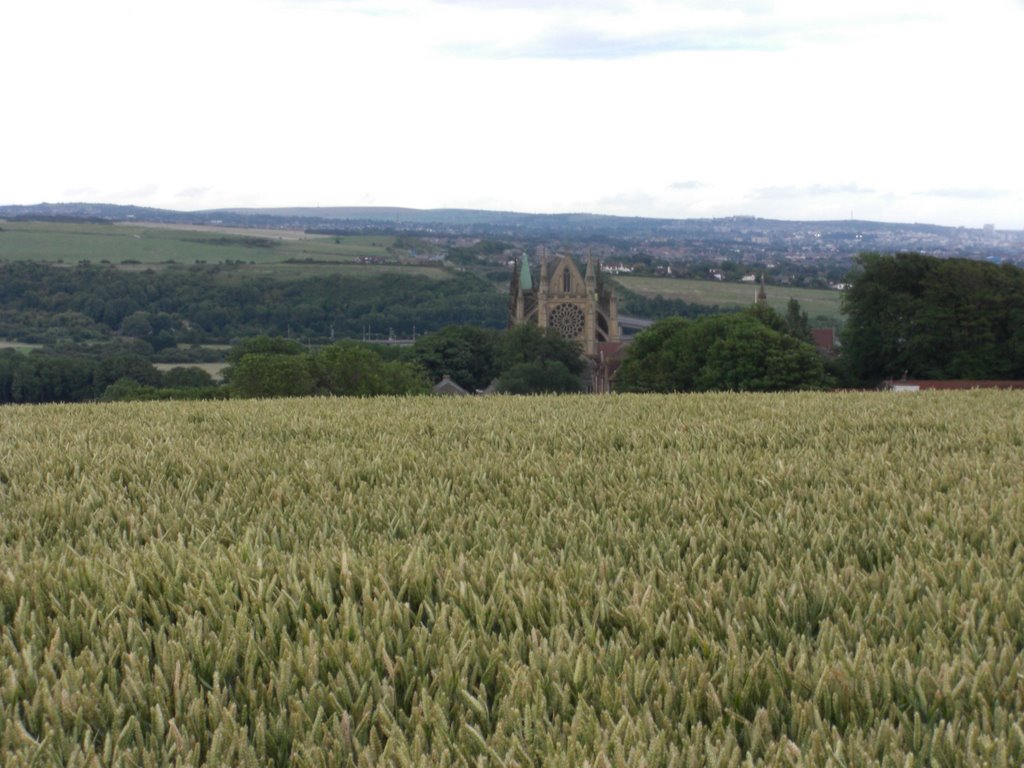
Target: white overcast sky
(893,110)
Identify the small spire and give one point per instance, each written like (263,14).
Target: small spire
(760,297)
(525,280)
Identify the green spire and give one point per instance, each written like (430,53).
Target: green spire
(525,281)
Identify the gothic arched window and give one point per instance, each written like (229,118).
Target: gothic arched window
(566,281)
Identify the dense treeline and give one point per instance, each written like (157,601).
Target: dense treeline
(907,314)
(933,318)
(45,304)
(265,367)
(41,377)
(520,360)
(523,360)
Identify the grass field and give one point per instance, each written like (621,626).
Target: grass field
(18,346)
(220,347)
(301,270)
(798,579)
(216,370)
(74,242)
(816,302)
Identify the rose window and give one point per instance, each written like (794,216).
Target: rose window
(568,320)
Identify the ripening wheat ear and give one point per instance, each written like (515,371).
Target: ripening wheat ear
(799,579)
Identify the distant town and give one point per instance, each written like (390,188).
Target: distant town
(740,239)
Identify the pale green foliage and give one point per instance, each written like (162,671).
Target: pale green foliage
(802,579)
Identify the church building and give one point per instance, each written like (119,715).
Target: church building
(581,308)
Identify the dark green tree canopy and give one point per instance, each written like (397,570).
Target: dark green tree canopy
(266,374)
(347,368)
(187,376)
(530,344)
(539,377)
(726,352)
(264,345)
(354,369)
(798,325)
(42,377)
(465,353)
(537,359)
(933,318)
(219,303)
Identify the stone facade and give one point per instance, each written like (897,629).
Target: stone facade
(580,307)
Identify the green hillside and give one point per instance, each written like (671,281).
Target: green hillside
(152,244)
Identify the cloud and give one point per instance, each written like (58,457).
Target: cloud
(141,193)
(690,184)
(191,193)
(80,193)
(966,193)
(541,5)
(622,29)
(616,29)
(615,6)
(586,44)
(412,7)
(373,8)
(812,190)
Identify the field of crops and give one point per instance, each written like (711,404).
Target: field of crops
(817,302)
(149,245)
(799,579)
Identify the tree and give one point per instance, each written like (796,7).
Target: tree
(345,368)
(264,345)
(351,368)
(137,324)
(724,352)
(880,306)
(539,377)
(465,353)
(474,357)
(648,368)
(264,374)
(206,303)
(767,316)
(530,344)
(117,365)
(754,358)
(122,389)
(798,325)
(535,360)
(187,376)
(933,318)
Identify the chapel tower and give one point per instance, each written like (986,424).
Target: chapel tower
(760,297)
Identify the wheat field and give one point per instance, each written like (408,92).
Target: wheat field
(724,580)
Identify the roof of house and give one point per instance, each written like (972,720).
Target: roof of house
(446,386)
(823,338)
(613,350)
(958,383)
